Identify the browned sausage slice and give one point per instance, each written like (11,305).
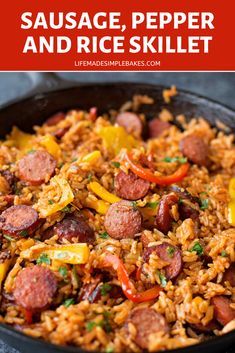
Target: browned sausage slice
(55,119)
(91,291)
(229,275)
(35,287)
(222,310)
(146,322)
(37,167)
(123,220)
(163,217)
(74,230)
(131,123)
(168,253)
(130,187)
(157,127)
(20,220)
(195,149)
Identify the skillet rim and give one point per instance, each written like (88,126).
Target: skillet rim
(67,85)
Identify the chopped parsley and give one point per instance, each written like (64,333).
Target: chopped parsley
(43,259)
(134,204)
(105,324)
(31,151)
(68,302)
(60,165)
(224,253)
(50,202)
(74,160)
(17,191)
(8,237)
(24,233)
(89,177)
(63,271)
(66,209)
(170,251)
(104,235)
(162,279)
(204,204)
(152,205)
(116,164)
(105,288)
(181,160)
(90,325)
(198,248)
(109,350)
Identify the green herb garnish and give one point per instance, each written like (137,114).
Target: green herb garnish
(162,278)
(24,233)
(43,259)
(31,151)
(68,302)
(89,177)
(181,160)
(90,325)
(134,205)
(104,235)
(74,160)
(109,350)
(63,271)
(198,248)
(50,202)
(170,251)
(152,205)
(224,253)
(66,209)
(116,164)
(7,237)
(204,204)
(105,288)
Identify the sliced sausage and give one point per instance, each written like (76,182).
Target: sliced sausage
(19,221)
(74,230)
(146,322)
(130,187)
(55,119)
(163,217)
(123,220)
(37,167)
(35,287)
(131,123)
(9,176)
(211,326)
(222,311)
(229,275)
(156,127)
(195,149)
(168,253)
(91,291)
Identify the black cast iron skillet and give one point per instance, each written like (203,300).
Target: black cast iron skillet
(50,95)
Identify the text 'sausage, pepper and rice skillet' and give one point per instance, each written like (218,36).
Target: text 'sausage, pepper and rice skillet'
(115,242)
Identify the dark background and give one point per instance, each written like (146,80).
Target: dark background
(219,86)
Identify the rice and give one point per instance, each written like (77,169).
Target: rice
(183,302)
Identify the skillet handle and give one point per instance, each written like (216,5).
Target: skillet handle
(43,82)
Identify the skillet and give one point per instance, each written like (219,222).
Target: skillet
(51,94)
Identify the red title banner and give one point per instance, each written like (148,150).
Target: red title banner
(104,35)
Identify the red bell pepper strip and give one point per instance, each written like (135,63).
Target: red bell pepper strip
(28,314)
(128,288)
(145,173)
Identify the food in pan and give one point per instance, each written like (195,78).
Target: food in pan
(117,232)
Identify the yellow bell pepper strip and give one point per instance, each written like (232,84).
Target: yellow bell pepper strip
(99,206)
(51,146)
(75,254)
(66,197)
(92,157)
(3,270)
(100,191)
(231,188)
(21,140)
(231,205)
(115,138)
(147,174)
(128,288)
